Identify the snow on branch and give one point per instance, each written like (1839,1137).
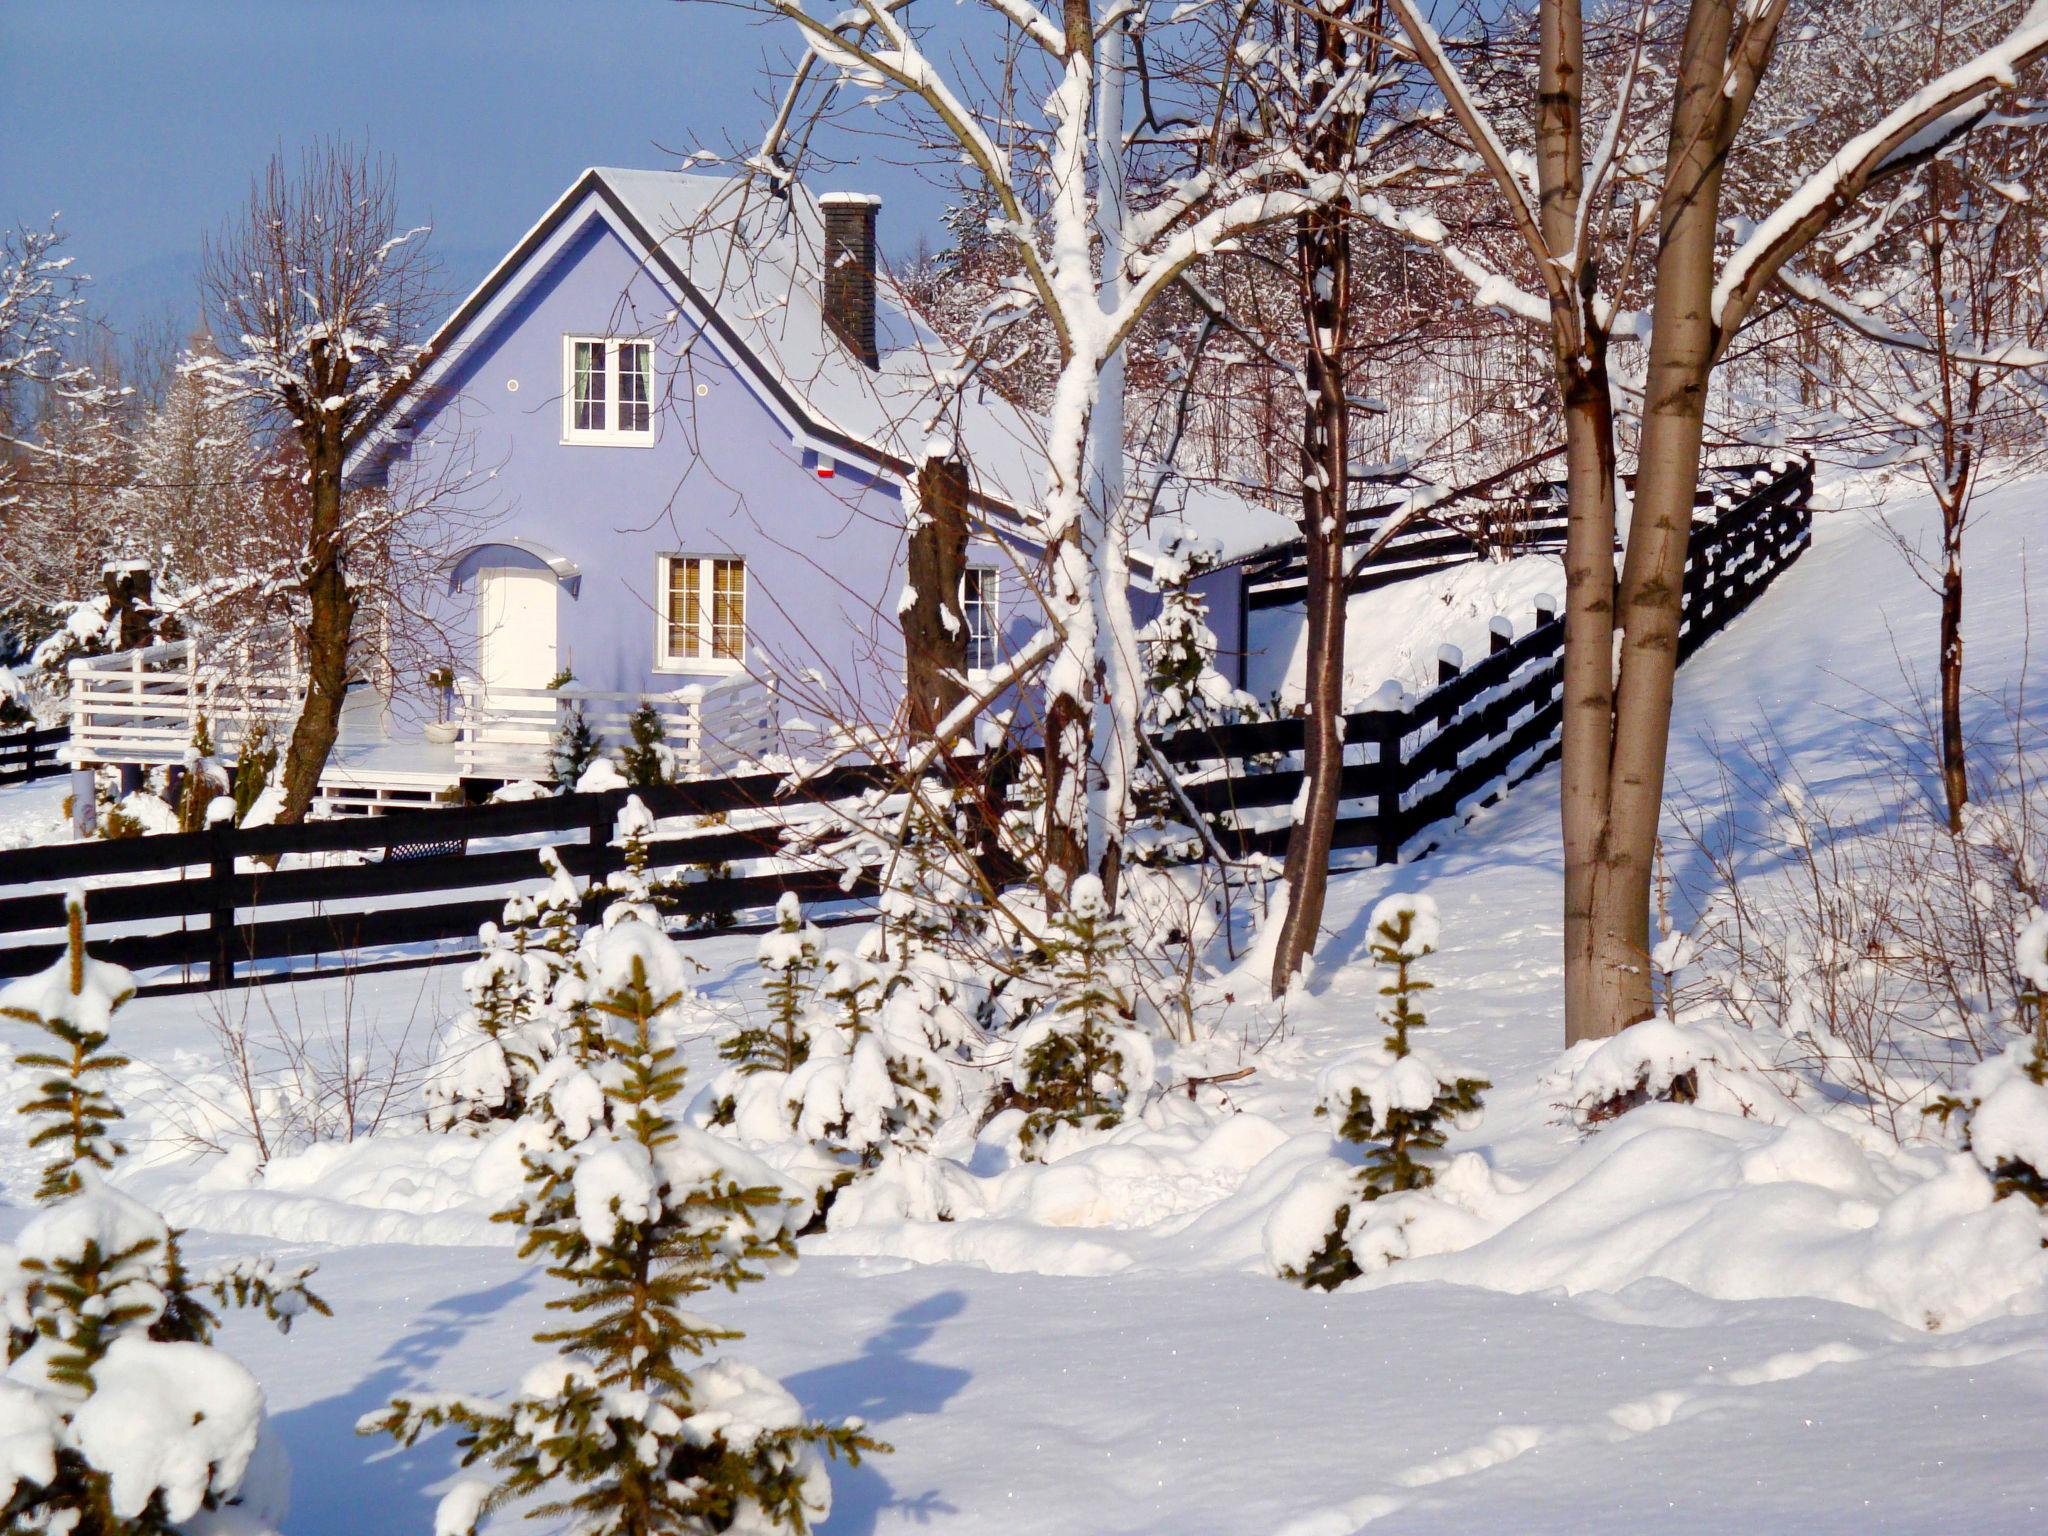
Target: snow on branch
(1429,50)
(1934,117)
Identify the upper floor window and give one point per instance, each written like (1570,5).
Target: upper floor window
(703,611)
(978,606)
(609,394)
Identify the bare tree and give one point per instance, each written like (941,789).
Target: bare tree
(1947,293)
(1349,66)
(1594,220)
(1104,205)
(318,290)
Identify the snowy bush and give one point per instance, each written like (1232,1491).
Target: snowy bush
(2005,1116)
(486,1061)
(1183,687)
(1855,925)
(1693,1060)
(636,1212)
(1395,1101)
(117,1416)
(575,748)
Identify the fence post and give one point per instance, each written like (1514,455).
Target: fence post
(1393,779)
(1500,633)
(604,816)
(1546,609)
(220,904)
(1450,661)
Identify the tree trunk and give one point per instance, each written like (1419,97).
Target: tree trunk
(1323,268)
(1591,954)
(1955,777)
(1618,872)
(934,629)
(331,619)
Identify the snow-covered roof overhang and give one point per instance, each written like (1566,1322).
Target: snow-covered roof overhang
(528,554)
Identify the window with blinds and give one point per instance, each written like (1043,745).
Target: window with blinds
(703,611)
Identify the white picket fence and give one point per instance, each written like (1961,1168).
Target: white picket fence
(143,706)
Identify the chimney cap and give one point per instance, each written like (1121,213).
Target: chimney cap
(849,200)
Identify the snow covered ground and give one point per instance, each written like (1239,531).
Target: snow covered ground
(1397,630)
(1689,1319)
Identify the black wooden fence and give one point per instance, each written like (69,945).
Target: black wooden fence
(211,906)
(32,754)
(1486,726)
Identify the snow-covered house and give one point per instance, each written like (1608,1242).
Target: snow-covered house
(700,408)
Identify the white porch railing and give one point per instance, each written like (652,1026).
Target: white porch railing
(510,733)
(143,706)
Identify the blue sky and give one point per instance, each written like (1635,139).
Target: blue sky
(141,120)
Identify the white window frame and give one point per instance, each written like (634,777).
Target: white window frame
(610,435)
(666,660)
(990,602)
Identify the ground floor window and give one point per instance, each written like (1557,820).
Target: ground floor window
(703,610)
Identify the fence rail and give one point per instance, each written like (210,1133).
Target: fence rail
(1412,763)
(36,753)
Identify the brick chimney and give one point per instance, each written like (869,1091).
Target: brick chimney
(850,270)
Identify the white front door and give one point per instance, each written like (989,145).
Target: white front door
(516,616)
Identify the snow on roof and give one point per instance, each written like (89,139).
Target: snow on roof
(754,258)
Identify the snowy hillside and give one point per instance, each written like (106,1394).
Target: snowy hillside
(1740,1314)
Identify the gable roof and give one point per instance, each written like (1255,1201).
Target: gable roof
(746,264)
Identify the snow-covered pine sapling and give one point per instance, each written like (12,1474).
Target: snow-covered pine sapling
(106,1328)
(1077,1062)
(255,762)
(2005,1116)
(1399,1105)
(1395,1100)
(624,1432)
(1182,686)
(71,1110)
(635,891)
(789,955)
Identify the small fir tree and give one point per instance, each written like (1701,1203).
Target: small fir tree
(635,1213)
(106,1327)
(72,1111)
(636,891)
(1077,1063)
(255,763)
(647,760)
(789,954)
(862,1090)
(1395,1101)
(576,746)
(1183,687)
(205,779)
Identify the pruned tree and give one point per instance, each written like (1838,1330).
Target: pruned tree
(318,290)
(1635,221)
